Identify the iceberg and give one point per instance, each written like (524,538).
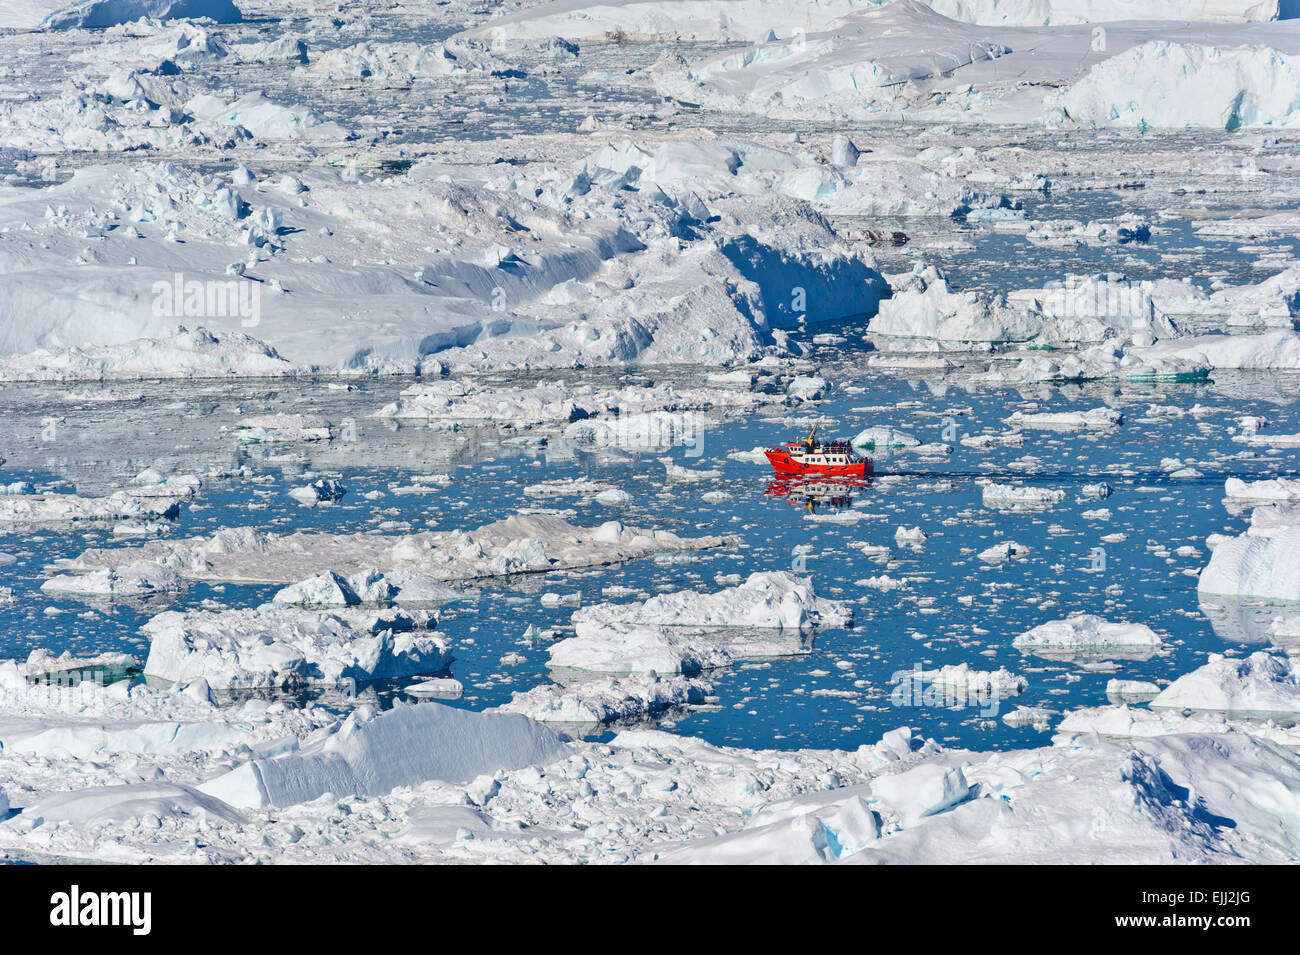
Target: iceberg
(1083,632)
(1261,683)
(1170,84)
(620,699)
(372,753)
(275,646)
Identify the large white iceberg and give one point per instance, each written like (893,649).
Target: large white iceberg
(276,646)
(1261,683)
(98,14)
(767,599)
(1170,84)
(370,754)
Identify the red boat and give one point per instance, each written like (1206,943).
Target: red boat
(823,458)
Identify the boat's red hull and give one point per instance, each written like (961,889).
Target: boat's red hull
(783,463)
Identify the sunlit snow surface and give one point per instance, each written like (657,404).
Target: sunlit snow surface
(941,573)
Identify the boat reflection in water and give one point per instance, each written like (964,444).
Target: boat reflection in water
(812,494)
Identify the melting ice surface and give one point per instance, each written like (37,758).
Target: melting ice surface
(1133,555)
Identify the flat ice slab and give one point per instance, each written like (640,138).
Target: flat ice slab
(518,544)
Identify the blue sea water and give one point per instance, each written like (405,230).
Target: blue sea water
(955,608)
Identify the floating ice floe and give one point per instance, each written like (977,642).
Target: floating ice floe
(1270,440)
(1272,303)
(984,442)
(686,631)
(277,646)
(1010,497)
(884,583)
(1126,722)
(1277,489)
(367,587)
(61,508)
(806,387)
(1086,632)
(647,417)
(1007,550)
(575,487)
(883,437)
(153,483)
(44,666)
(283,426)
(924,308)
(1039,717)
(439,686)
(142,579)
(1084,310)
(676,472)
(969,682)
(1262,683)
(1095,419)
(522,543)
(1265,351)
(323,491)
(626,648)
(594,702)
(772,599)
(1095,492)
(910,536)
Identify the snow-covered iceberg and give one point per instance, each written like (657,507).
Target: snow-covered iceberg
(767,599)
(1262,563)
(1261,683)
(99,14)
(276,646)
(367,587)
(143,579)
(593,702)
(1088,632)
(372,753)
(1170,84)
